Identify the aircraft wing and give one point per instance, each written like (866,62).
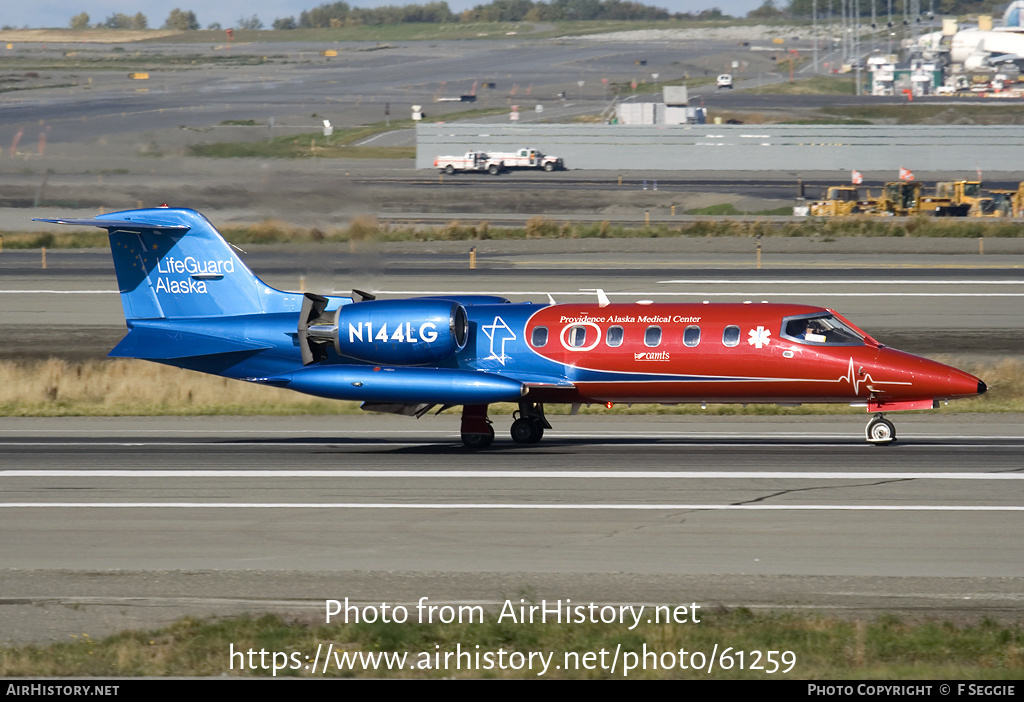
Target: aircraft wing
(537,380)
(995,59)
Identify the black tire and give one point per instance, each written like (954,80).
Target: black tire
(494,169)
(526,431)
(478,441)
(449,169)
(880,432)
(549,167)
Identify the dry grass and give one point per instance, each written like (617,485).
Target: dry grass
(127,387)
(715,223)
(83,36)
(119,387)
(804,646)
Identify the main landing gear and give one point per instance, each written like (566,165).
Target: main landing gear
(880,431)
(529,424)
(528,427)
(477,432)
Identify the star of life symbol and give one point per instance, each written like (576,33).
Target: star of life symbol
(759,337)
(498,331)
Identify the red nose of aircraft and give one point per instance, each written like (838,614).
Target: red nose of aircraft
(909,375)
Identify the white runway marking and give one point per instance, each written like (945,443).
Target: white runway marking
(695,293)
(356,442)
(522,474)
(565,293)
(841,281)
(695,281)
(639,440)
(498,506)
(261,437)
(59,292)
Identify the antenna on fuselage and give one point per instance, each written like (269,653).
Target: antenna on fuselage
(551,299)
(602,299)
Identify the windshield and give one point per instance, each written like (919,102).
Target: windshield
(819,329)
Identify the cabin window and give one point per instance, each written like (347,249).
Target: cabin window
(691,336)
(614,336)
(652,337)
(731,335)
(820,329)
(539,336)
(578,336)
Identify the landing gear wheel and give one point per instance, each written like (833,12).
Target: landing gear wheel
(478,441)
(880,431)
(526,431)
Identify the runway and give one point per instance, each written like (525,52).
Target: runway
(722,497)
(248,514)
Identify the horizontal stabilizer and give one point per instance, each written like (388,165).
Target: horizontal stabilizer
(125,225)
(164,344)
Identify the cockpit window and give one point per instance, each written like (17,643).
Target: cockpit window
(820,330)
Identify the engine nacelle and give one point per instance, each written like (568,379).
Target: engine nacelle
(397,332)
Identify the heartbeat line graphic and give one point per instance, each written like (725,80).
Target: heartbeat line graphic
(867,381)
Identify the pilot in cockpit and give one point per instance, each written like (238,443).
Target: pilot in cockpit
(807,329)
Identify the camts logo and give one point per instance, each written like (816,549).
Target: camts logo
(651,356)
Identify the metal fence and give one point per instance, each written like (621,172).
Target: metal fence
(739,147)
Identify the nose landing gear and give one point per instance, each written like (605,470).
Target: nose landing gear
(880,431)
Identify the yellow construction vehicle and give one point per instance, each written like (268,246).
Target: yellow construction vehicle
(840,201)
(998,203)
(898,199)
(1016,198)
(963,194)
(904,199)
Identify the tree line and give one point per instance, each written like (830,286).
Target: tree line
(177,19)
(341,14)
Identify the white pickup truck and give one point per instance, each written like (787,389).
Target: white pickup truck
(472,162)
(528,158)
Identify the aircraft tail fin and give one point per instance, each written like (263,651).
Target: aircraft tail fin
(173,262)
